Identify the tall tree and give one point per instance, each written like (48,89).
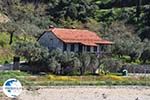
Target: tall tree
(146,16)
(138,9)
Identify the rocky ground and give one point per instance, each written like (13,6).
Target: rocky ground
(84,93)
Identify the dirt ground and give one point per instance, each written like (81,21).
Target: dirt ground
(85,93)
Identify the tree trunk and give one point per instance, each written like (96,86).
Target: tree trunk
(144,61)
(11,38)
(82,71)
(138,9)
(94,70)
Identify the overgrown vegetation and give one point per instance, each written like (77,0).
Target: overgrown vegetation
(6,52)
(127,24)
(29,81)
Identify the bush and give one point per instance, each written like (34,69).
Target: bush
(94,62)
(145,56)
(125,42)
(54,66)
(144,33)
(31,29)
(33,52)
(111,65)
(85,61)
(4,38)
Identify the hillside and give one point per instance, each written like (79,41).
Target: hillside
(125,23)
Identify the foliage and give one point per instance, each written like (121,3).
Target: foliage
(54,65)
(5,49)
(6,55)
(75,9)
(144,33)
(146,16)
(94,62)
(33,52)
(145,56)
(85,61)
(92,25)
(53,80)
(115,20)
(57,61)
(4,39)
(111,65)
(126,42)
(107,4)
(30,29)
(69,23)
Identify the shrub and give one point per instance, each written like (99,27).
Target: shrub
(125,42)
(4,38)
(94,62)
(54,66)
(144,33)
(85,61)
(33,52)
(111,65)
(145,56)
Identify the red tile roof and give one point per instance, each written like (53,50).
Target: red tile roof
(79,36)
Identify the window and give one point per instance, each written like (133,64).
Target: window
(102,47)
(80,48)
(95,49)
(88,48)
(72,47)
(64,46)
(51,42)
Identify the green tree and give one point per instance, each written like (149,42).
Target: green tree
(126,42)
(94,63)
(145,56)
(146,17)
(10,28)
(144,33)
(85,61)
(138,9)
(54,65)
(33,52)
(110,65)
(4,39)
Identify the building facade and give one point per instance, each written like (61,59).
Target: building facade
(72,40)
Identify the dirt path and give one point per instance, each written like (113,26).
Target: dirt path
(87,93)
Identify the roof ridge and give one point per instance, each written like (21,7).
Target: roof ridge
(70,28)
(83,36)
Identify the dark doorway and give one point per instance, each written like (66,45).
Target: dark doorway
(80,47)
(95,49)
(72,47)
(64,47)
(88,48)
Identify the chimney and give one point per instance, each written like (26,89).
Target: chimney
(51,27)
(73,27)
